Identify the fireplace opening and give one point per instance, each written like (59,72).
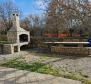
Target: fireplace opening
(23,38)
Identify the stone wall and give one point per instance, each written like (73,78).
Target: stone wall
(3,37)
(9,48)
(71,50)
(6,49)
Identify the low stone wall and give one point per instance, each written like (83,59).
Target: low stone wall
(9,48)
(5,48)
(71,50)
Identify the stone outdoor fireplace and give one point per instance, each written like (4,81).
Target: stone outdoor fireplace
(17,36)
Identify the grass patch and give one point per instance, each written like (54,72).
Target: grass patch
(5,42)
(34,67)
(42,54)
(45,69)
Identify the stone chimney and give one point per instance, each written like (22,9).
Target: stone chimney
(15,19)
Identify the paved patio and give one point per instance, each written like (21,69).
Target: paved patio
(14,76)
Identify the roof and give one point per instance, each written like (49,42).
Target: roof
(17,30)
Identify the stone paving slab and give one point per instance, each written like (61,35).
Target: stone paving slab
(5,57)
(14,76)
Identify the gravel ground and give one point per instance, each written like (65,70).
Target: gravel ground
(71,63)
(11,56)
(82,65)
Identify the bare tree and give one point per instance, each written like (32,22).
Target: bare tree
(26,23)
(6,10)
(34,24)
(67,15)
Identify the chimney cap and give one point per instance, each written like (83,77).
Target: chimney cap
(15,14)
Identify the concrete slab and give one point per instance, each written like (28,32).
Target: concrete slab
(14,76)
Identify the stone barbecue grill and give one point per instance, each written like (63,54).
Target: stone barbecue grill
(17,37)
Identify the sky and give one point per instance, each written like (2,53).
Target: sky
(29,6)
